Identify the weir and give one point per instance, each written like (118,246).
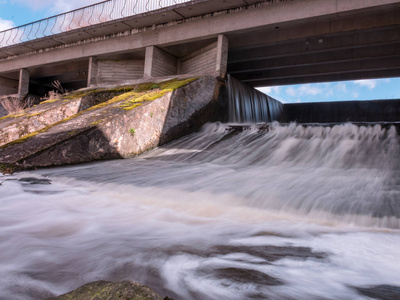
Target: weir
(247,105)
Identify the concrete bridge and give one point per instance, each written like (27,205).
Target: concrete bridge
(261,42)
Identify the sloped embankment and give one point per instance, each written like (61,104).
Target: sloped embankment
(108,123)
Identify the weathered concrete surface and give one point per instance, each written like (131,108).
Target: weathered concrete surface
(342,111)
(122,127)
(106,290)
(15,127)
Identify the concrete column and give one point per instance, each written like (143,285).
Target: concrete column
(8,86)
(159,63)
(92,71)
(222,55)
(23,86)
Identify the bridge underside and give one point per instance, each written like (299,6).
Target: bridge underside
(272,43)
(341,47)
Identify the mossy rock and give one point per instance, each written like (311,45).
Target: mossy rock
(106,290)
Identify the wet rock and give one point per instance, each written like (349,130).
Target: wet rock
(106,290)
(246,276)
(33,180)
(381,292)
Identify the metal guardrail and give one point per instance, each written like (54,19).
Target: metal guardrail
(83,17)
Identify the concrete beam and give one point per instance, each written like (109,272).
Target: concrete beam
(324,69)
(317,44)
(325,78)
(23,85)
(311,59)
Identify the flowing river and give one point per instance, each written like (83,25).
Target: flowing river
(287,212)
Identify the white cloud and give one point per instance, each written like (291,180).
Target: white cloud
(291,91)
(341,87)
(308,89)
(368,83)
(270,90)
(6,24)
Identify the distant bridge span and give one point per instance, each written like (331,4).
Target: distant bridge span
(270,42)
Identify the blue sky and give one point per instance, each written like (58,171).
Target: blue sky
(368,89)
(18,12)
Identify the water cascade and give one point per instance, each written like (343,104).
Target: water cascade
(284,212)
(248,105)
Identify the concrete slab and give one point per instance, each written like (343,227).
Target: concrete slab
(100,30)
(201,8)
(150,19)
(3,54)
(43,43)
(71,37)
(16,50)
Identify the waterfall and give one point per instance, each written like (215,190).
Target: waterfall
(271,212)
(247,105)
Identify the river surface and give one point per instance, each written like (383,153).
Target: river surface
(291,212)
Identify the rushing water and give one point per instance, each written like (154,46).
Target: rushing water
(291,212)
(246,104)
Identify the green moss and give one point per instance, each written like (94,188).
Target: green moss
(130,107)
(12,116)
(49,101)
(22,139)
(96,122)
(143,95)
(132,131)
(73,132)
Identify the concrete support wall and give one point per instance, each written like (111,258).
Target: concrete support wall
(8,86)
(211,59)
(114,71)
(159,63)
(202,61)
(23,86)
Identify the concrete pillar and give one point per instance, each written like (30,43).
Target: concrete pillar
(222,55)
(159,63)
(23,86)
(92,72)
(8,86)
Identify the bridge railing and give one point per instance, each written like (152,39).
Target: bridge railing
(83,17)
